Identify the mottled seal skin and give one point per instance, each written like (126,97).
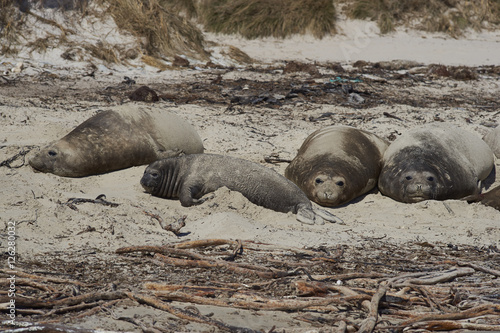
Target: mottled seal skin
(336,164)
(189,177)
(492,138)
(117,139)
(435,161)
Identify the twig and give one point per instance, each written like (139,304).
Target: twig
(94,310)
(176,226)
(22,154)
(390,115)
(369,323)
(100,199)
(238,249)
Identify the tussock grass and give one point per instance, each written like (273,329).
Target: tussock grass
(262,18)
(164,33)
(449,16)
(10,22)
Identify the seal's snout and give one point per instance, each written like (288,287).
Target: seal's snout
(150,180)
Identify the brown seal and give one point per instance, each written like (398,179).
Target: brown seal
(116,139)
(490,198)
(435,161)
(190,177)
(336,164)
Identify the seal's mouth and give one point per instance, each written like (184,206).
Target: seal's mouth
(415,198)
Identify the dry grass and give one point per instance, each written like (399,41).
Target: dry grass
(164,33)
(450,16)
(10,22)
(261,18)
(188,8)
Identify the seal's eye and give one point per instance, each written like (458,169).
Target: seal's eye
(340,183)
(408,178)
(52,153)
(154,174)
(431,179)
(319,181)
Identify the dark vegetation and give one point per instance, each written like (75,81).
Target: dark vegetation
(165,28)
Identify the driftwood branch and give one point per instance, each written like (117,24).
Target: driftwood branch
(369,323)
(183,314)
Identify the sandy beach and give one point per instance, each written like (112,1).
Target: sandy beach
(244,111)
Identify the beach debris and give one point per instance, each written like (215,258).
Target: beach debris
(100,199)
(144,94)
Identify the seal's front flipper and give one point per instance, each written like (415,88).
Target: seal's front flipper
(327,216)
(307,216)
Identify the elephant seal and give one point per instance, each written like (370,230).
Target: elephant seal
(336,164)
(117,139)
(492,138)
(435,161)
(190,177)
(490,198)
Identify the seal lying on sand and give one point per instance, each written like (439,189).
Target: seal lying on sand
(490,198)
(190,177)
(337,164)
(117,139)
(493,140)
(436,161)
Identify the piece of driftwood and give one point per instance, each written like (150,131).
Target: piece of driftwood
(369,323)
(434,277)
(470,313)
(261,304)
(20,274)
(448,325)
(183,314)
(222,264)
(67,301)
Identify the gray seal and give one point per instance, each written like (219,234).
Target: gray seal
(492,138)
(436,161)
(189,177)
(116,139)
(336,164)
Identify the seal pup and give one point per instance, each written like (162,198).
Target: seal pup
(492,138)
(336,164)
(116,139)
(190,177)
(435,161)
